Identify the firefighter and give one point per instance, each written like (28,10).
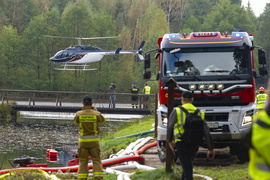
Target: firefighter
(186,152)
(261,98)
(259,164)
(146,90)
(134,90)
(88,119)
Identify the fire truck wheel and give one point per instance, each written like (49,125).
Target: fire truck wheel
(233,149)
(242,153)
(162,154)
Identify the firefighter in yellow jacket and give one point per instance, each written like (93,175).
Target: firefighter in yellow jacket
(88,119)
(261,98)
(259,153)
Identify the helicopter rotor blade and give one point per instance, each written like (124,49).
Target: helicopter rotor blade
(79,37)
(141,46)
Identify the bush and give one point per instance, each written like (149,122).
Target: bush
(5,111)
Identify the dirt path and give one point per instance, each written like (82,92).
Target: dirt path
(222,158)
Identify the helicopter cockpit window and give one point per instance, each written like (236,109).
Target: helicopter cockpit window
(58,54)
(65,54)
(72,55)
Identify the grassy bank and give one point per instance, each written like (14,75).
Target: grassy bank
(111,143)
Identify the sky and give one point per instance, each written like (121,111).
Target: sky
(256,5)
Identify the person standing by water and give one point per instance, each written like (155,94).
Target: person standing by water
(112,89)
(88,120)
(146,90)
(134,90)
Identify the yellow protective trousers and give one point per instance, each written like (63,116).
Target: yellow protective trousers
(85,150)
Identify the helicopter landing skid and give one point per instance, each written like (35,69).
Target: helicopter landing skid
(82,67)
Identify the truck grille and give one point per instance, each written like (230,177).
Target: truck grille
(216,116)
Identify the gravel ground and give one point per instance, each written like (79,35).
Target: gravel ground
(37,136)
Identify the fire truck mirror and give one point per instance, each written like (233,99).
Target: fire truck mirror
(254,74)
(261,54)
(147,61)
(147,75)
(158,76)
(156,55)
(263,71)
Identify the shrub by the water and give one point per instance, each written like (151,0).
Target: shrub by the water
(5,111)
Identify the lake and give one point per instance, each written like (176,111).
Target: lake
(35,132)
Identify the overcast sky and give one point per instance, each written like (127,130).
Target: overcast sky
(256,5)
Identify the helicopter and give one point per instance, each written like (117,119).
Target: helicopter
(81,55)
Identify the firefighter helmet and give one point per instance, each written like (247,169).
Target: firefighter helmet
(261,89)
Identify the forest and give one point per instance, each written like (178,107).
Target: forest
(25,51)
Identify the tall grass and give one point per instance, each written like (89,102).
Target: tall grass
(5,111)
(110,145)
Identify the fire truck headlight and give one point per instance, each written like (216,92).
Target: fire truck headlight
(248,117)
(202,87)
(192,87)
(165,121)
(220,86)
(211,86)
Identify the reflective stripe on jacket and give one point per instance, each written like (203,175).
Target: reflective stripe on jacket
(259,164)
(261,99)
(181,119)
(134,90)
(88,120)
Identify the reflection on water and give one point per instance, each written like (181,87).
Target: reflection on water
(36,132)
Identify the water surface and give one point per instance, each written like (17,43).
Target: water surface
(35,132)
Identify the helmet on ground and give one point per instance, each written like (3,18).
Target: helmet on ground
(261,89)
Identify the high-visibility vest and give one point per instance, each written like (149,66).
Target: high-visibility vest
(261,99)
(181,119)
(259,164)
(147,90)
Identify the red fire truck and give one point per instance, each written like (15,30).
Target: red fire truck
(219,70)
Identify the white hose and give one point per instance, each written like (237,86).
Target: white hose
(142,143)
(121,175)
(143,167)
(130,147)
(205,177)
(133,147)
(123,167)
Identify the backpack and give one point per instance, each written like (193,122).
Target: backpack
(193,128)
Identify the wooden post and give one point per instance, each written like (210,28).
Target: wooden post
(156,116)
(171,84)
(34,96)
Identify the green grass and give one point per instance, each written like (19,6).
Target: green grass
(110,145)
(232,172)
(144,124)
(5,111)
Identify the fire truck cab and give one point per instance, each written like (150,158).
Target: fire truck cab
(219,71)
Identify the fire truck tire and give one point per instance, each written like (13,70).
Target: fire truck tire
(233,149)
(242,153)
(162,154)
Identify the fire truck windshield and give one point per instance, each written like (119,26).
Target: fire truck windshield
(206,61)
